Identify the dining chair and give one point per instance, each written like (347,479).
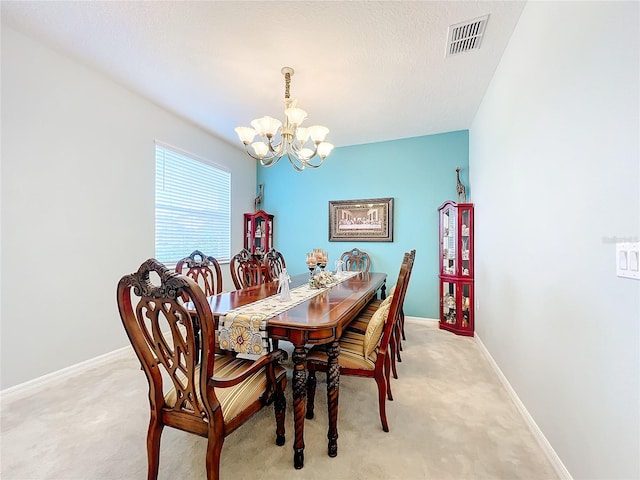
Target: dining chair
(211,398)
(361,322)
(356,260)
(274,263)
(364,354)
(204,270)
(247,270)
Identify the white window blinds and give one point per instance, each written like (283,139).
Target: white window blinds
(193,207)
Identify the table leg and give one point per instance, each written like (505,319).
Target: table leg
(299,403)
(333,382)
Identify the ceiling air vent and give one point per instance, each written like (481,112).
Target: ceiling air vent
(466,36)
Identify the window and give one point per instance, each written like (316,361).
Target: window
(193,206)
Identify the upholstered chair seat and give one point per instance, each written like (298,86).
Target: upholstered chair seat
(236,399)
(351,353)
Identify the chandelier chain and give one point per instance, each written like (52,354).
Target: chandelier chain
(287,84)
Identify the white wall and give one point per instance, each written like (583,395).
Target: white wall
(78,203)
(554,162)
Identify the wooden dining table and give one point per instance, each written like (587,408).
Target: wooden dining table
(318,320)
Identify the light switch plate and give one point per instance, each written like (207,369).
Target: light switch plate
(628,260)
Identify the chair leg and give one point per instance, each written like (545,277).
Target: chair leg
(153,447)
(214,448)
(311,393)
(280,406)
(402,324)
(381,402)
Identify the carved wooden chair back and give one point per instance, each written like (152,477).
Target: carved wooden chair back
(247,270)
(356,260)
(357,358)
(204,270)
(210,398)
(274,263)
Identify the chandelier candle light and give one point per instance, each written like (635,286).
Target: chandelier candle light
(316,260)
(278,139)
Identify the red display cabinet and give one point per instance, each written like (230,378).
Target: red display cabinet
(456,267)
(258,232)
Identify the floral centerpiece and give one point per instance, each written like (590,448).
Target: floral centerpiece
(322,279)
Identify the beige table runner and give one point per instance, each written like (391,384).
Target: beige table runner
(244,329)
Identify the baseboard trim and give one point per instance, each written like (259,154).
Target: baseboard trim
(22,390)
(551,454)
(420,320)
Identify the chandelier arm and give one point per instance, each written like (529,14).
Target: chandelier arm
(277,149)
(255,157)
(297,149)
(270,161)
(296,162)
(309,164)
(300,163)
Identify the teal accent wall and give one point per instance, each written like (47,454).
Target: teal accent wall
(419,173)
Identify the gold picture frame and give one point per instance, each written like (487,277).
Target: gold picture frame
(365,220)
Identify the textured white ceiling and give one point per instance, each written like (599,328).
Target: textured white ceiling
(369,70)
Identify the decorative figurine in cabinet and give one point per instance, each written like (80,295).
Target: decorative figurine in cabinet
(258,232)
(456,267)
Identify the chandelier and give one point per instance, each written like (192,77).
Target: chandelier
(290,139)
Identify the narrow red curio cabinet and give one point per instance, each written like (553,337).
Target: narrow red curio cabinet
(456,267)
(258,232)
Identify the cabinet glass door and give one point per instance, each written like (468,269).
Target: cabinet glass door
(448,227)
(258,241)
(466,305)
(449,303)
(466,244)
(465,224)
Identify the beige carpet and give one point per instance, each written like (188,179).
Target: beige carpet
(451,419)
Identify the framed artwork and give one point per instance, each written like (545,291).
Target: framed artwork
(368,220)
